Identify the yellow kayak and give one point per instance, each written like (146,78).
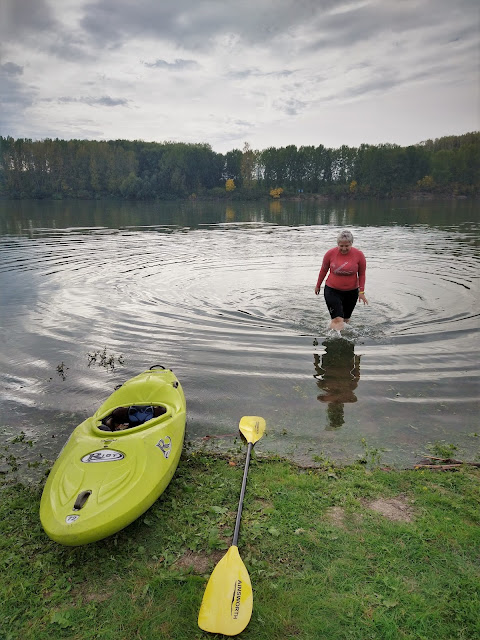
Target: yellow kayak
(117,462)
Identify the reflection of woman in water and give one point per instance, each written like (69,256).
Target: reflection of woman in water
(337,373)
(346,281)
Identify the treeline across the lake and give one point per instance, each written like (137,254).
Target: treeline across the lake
(448,166)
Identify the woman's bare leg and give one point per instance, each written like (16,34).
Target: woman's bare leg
(337,323)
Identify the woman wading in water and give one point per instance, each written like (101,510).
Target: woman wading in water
(346,281)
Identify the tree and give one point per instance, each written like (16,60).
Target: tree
(276,193)
(147,170)
(233,166)
(248,166)
(427,183)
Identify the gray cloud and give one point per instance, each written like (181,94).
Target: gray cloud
(290,106)
(20,17)
(67,46)
(177,65)
(35,24)
(11,69)
(374,85)
(108,102)
(262,62)
(15,98)
(370,21)
(381,79)
(257,73)
(104,101)
(308,25)
(193,24)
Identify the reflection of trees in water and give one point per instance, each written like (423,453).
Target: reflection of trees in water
(337,374)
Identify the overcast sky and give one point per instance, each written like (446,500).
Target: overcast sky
(270,72)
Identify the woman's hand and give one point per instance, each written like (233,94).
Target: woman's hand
(317,290)
(361,296)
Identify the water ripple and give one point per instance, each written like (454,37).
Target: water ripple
(231,307)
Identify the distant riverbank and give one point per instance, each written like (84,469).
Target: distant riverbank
(263,197)
(143,171)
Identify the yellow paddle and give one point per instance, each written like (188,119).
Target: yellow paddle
(228,600)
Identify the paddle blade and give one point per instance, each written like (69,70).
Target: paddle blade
(252,428)
(228,600)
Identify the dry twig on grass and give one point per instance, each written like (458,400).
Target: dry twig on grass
(443,464)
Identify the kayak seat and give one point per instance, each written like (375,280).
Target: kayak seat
(123,418)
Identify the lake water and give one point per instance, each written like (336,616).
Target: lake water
(223,294)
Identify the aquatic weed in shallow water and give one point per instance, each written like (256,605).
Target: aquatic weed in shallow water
(442,449)
(371,456)
(103,360)
(62,370)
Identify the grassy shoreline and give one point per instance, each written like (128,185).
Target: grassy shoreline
(335,552)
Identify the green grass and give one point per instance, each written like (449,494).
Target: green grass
(323,563)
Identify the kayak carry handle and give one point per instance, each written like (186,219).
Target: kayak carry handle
(156,365)
(82,498)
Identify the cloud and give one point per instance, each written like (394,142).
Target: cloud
(40,25)
(290,106)
(193,24)
(11,69)
(307,25)
(22,17)
(177,65)
(257,73)
(104,101)
(219,71)
(372,21)
(68,47)
(15,97)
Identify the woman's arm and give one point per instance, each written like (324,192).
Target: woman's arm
(323,272)
(362,267)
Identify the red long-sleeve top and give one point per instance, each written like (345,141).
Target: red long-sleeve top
(347,272)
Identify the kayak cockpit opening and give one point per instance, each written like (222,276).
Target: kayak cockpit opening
(123,418)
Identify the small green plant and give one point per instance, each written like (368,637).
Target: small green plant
(22,438)
(323,459)
(370,456)
(442,449)
(12,462)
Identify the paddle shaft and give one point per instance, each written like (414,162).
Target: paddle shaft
(242,495)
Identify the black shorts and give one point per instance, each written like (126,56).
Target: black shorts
(340,303)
